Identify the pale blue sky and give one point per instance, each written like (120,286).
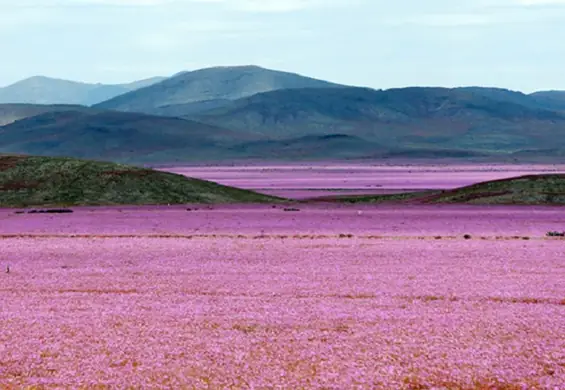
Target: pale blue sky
(517,44)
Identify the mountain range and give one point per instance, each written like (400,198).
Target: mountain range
(208,88)
(248,112)
(46,90)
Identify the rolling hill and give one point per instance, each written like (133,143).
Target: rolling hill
(42,181)
(509,96)
(408,118)
(531,189)
(248,112)
(10,113)
(306,123)
(551,99)
(337,146)
(46,90)
(213,85)
(524,190)
(118,136)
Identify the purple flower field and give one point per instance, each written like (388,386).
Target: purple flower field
(242,297)
(323,179)
(311,219)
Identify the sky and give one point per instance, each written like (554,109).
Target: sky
(515,44)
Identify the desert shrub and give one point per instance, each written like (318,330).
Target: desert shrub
(467,236)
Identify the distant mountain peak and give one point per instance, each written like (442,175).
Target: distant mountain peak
(211,84)
(221,68)
(42,89)
(37,79)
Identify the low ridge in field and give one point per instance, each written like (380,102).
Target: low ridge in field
(530,189)
(47,181)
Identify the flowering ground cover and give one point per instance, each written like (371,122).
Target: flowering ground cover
(338,178)
(240,297)
(309,219)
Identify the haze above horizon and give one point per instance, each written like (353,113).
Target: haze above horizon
(374,43)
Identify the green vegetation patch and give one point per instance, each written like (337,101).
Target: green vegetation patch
(531,189)
(384,198)
(48,181)
(523,190)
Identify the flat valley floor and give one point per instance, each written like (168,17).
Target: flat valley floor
(325,296)
(302,181)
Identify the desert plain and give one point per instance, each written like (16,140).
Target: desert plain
(311,295)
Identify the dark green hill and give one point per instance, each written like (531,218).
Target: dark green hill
(211,84)
(42,181)
(117,136)
(531,189)
(523,190)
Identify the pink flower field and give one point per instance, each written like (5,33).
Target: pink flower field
(243,297)
(309,180)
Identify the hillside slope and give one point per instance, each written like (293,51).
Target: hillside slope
(41,181)
(320,147)
(524,190)
(46,90)
(211,84)
(117,136)
(10,113)
(551,99)
(531,189)
(303,123)
(509,96)
(420,118)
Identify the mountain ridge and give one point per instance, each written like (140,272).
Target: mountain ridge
(217,83)
(444,118)
(203,116)
(50,90)
(116,136)
(12,112)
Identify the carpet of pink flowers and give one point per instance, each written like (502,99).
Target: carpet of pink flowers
(144,298)
(308,180)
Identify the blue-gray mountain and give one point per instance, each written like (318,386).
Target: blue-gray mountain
(117,136)
(231,113)
(189,92)
(408,118)
(45,90)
